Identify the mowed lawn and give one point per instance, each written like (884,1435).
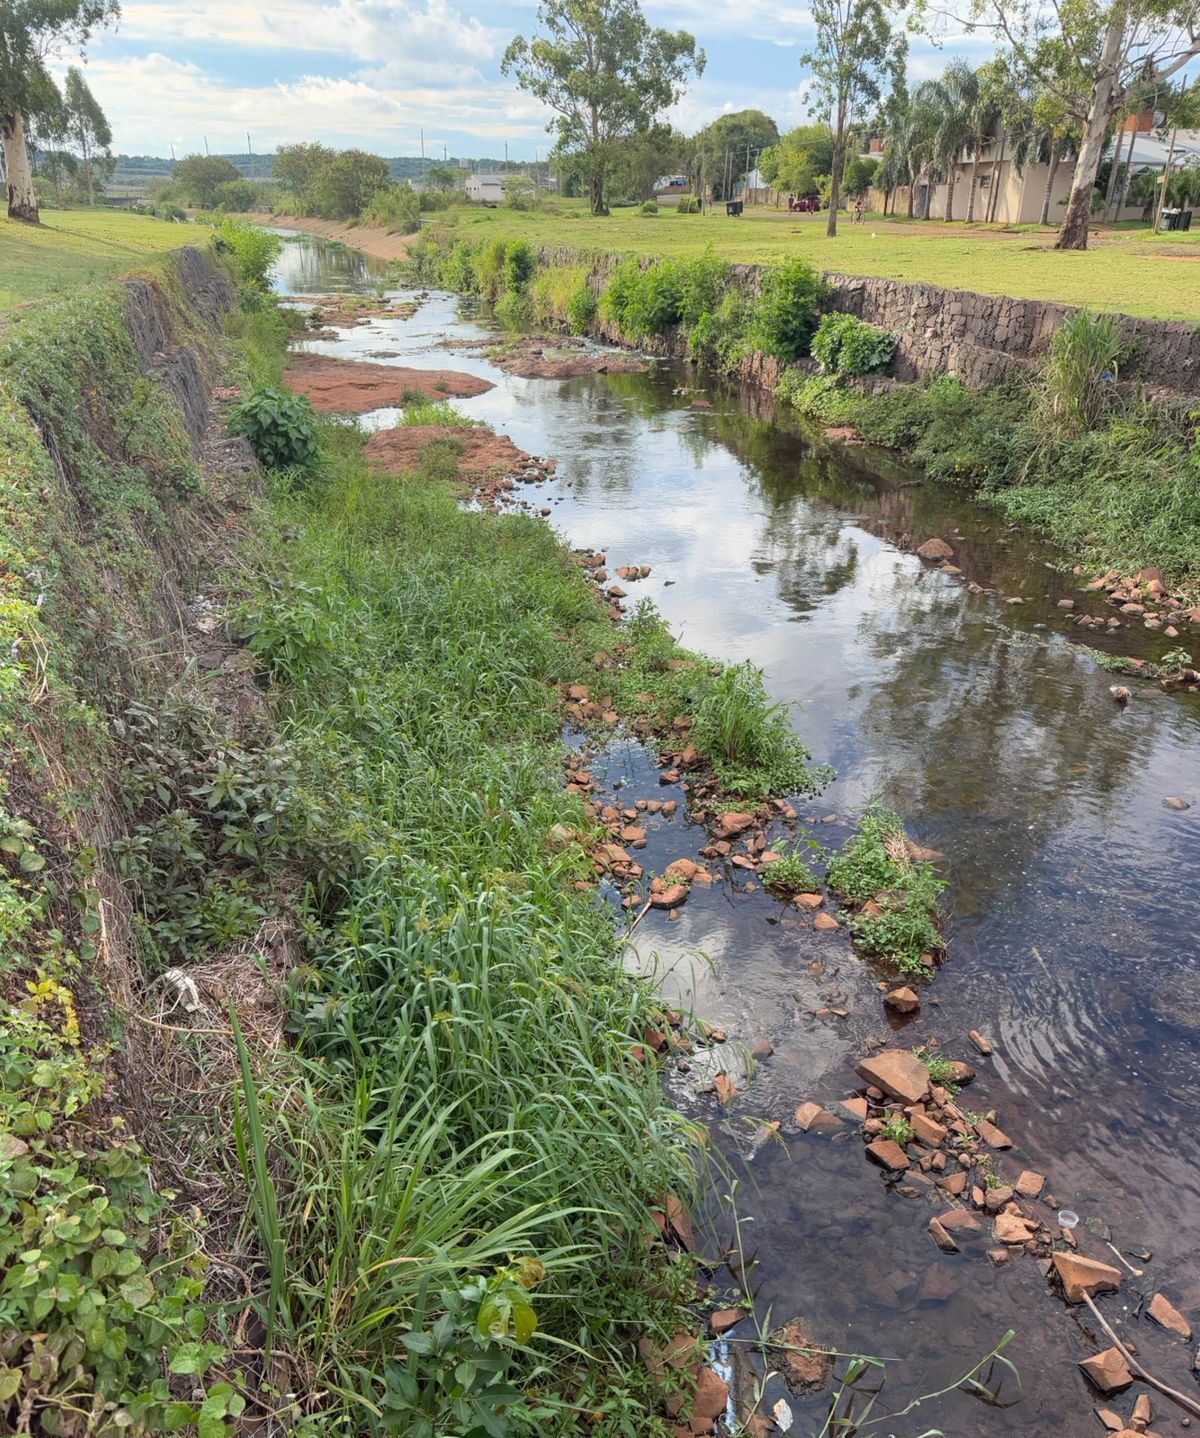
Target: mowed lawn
(1131,270)
(73,247)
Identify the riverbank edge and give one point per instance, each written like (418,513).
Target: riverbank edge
(373,240)
(160,531)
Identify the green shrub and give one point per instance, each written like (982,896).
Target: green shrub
(750,740)
(489,267)
(458,271)
(790,874)
(648,207)
(844,344)
(520,266)
(582,309)
(786,314)
(394,207)
(254,249)
(688,205)
(281,428)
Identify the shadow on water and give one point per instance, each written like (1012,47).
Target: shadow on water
(1071,938)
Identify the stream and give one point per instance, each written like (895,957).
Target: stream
(993,732)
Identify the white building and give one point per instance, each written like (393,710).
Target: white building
(485,189)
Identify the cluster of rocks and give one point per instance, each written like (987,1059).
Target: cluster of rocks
(1143,597)
(346,311)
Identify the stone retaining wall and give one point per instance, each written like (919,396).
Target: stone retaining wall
(980,338)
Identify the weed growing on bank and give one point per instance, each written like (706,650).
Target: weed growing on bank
(894,899)
(1123,494)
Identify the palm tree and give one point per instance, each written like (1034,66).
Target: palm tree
(957,97)
(922,126)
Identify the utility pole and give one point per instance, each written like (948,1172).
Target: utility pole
(206,144)
(249,146)
(506,157)
(422,156)
(1166,178)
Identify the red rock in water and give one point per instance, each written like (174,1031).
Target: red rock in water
(1107,1371)
(1030,1184)
(992,1136)
(1085,1277)
(1164,1313)
(669,897)
(980,1043)
(1012,1228)
(887,1153)
(935,549)
(899,1073)
(338,386)
(808,901)
(724,1319)
(682,869)
(825,921)
(729,825)
(902,1001)
(812,1118)
(928,1131)
(712,1395)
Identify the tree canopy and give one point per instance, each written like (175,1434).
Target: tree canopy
(725,150)
(799,160)
(605,72)
(342,187)
(200,178)
(86,123)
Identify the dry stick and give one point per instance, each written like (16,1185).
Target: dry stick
(640,917)
(1181,1398)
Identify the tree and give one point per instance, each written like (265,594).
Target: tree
(605,73)
(200,178)
(296,166)
(31,33)
(342,188)
(799,159)
(956,96)
(86,123)
(726,150)
(1122,46)
(641,160)
(443,177)
(856,51)
(860,174)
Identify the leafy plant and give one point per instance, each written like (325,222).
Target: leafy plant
(254,249)
(844,344)
(281,428)
(582,309)
(751,741)
(785,316)
(790,873)
(648,207)
(897,1128)
(942,1070)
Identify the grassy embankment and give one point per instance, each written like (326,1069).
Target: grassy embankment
(358,1228)
(1113,476)
(75,247)
(1135,272)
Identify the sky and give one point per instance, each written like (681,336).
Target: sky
(374,73)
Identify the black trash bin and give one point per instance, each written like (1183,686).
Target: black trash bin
(733,207)
(1185,220)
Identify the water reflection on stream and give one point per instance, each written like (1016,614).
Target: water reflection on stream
(1072,931)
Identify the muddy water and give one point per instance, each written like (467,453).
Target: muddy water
(993,732)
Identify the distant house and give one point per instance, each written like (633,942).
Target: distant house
(669,189)
(485,189)
(752,188)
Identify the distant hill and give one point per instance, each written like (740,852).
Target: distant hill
(140,170)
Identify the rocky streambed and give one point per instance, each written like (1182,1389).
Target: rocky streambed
(949,681)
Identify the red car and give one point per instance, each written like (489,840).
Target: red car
(806,205)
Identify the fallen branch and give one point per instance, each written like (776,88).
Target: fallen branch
(1136,1368)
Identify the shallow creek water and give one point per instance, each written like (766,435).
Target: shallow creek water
(1072,932)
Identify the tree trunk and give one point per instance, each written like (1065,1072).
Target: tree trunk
(950,181)
(87,170)
(22,202)
(596,193)
(1166,179)
(1125,177)
(1051,177)
(912,188)
(835,181)
(974,181)
(997,172)
(1074,233)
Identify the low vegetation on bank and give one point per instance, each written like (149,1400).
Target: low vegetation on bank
(321,1065)
(1110,473)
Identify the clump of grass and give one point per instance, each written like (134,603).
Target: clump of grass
(791,874)
(897,1128)
(875,867)
(750,740)
(941,1069)
(434,411)
(1080,379)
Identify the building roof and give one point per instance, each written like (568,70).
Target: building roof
(1150,151)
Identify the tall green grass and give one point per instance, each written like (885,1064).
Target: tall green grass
(463,1106)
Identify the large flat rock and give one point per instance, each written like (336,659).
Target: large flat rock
(337,386)
(899,1073)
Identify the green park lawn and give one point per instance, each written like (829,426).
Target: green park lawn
(73,247)
(1135,271)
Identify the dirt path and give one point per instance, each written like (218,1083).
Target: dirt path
(383,244)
